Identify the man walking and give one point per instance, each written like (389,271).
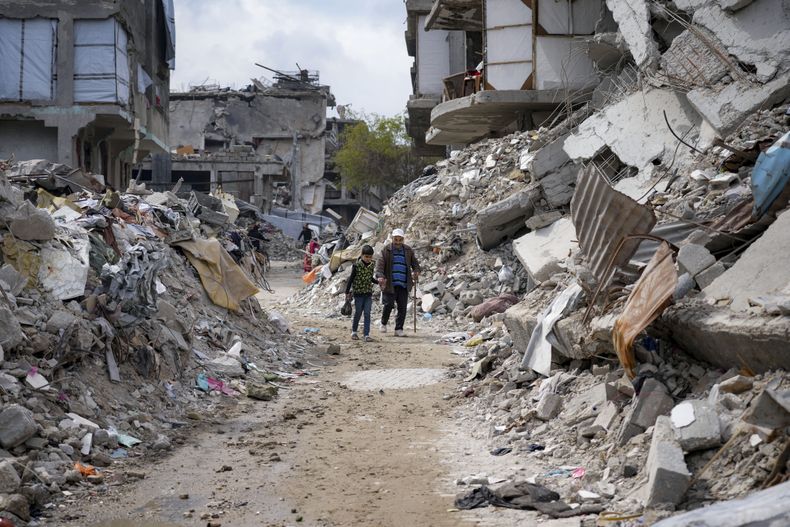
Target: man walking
(396,270)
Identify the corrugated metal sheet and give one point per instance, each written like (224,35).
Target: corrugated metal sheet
(603,217)
(673,232)
(650,297)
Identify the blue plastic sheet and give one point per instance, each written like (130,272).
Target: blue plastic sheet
(771,174)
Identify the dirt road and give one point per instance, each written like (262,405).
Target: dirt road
(369,440)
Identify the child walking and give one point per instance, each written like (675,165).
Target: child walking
(361,281)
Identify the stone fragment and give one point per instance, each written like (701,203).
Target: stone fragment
(538,221)
(607,417)
(653,401)
(693,259)
(10,331)
(702,432)
(16,426)
(736,385)
(706,277)
(31,223)
(548,407)
(471,298)
(771,409)
(262,392)
(668,476)
(60,320)
(633,20)
(558,187)
(429,303)
(500,221)
(9,479)
(162,442)
(101,437)
(16,504)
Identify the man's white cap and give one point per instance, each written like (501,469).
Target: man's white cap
(397,232)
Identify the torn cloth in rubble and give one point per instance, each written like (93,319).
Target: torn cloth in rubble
(224,281)
(132,282)
(491,306)
(538,354)
(522,495)
(651,295)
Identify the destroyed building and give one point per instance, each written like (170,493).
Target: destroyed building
(251,142)
(490,67)
(86,84)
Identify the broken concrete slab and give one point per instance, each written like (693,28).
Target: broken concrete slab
(15,280)
(500,221)
(635,130)
(701,430)
(761,508)
(520,321)
(558,187)
(756,272)
(542,252)
(9,479)
(633,19)
(607,417)
(726,338)
(693,259)
(695,59)
(770,410)
(667,474)
(724,109)
(736,385)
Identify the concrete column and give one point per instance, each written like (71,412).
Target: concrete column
(65,60)
(67,148)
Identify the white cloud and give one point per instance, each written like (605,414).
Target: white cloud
(357,45)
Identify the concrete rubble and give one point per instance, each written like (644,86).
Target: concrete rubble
(700,417)
(110,346)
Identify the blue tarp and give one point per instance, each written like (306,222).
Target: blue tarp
(771,174)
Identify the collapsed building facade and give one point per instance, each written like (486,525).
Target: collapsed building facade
(262,144)
(86,84)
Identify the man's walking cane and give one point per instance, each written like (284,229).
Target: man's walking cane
(414,305)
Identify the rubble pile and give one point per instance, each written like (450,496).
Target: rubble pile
(643,238)
(121,326)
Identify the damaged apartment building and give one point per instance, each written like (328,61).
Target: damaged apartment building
(85,83)
(264,144)
(485,68)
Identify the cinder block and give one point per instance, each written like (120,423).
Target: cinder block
(693,259)
(549,407)
(702,432)
(667,474)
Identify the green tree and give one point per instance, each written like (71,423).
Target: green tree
(377,151)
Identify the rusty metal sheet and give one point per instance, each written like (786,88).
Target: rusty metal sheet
(603,217)
(650,297)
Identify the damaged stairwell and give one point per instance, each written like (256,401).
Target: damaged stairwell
(617,281)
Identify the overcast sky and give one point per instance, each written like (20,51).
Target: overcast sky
(357,45)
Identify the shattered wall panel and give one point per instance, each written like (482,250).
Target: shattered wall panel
(633,19)
(695,58)
(603,217)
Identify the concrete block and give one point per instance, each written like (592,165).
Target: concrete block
(558,187)
(667,474)
(696,425)
(538,221)
(653,401)
(706,277)
(543,252)
(771,409)
(430,303)
(548,158)
(471,298)
(500,221)
(548,407)
(706,68)
(435,287)
(16,426)
(607,417)
(726,339)
(520,321)
(693,259)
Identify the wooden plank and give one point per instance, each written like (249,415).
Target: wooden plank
(112,366)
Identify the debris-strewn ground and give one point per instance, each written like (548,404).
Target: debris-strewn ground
(117,341)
